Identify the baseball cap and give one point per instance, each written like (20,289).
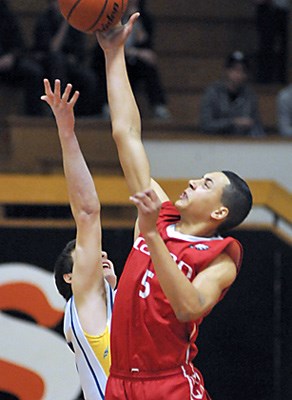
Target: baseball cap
(237,57)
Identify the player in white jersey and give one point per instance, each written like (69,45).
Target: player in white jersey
(92,353)
(84,276)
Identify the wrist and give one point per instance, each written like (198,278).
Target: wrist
(151,235)
(113,51)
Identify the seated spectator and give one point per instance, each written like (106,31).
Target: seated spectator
(62,52)
(230,106)
(141,62)
(284,111)
(16,65)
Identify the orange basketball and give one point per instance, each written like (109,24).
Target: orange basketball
(90,16)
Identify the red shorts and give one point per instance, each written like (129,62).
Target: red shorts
(182,384)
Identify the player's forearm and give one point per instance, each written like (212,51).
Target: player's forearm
(80,185)
(182,295)
(124,111)
(126,123)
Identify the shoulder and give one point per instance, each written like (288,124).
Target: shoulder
(233,250)
(223,250)
(285,94)
(225,269)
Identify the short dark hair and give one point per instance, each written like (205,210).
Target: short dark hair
(237,198)
(64,265)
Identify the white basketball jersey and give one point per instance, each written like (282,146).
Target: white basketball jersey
(92,376)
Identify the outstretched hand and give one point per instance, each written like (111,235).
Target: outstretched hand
(61,105)
(118,35)
(148,205)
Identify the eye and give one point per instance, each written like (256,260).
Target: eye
(207,183)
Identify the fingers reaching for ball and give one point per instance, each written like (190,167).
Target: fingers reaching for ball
(54,98)
(62,106)
(118,35)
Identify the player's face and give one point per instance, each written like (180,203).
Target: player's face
(108,270)
(203,196)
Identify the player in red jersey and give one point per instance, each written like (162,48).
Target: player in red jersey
(180,266)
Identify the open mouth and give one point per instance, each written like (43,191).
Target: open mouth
(183,196)
(106,265)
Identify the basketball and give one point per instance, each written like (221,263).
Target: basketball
(90,16)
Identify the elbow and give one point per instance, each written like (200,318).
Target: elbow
(125,128)
(88,214)
(91,206)
(93,211)
(184,317)
(191,311)
(117,132)
(187,314)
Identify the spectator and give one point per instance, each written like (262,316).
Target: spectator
(230,106)
(16,65)
(141,62)
(284,111)
(62,51)
(272,20)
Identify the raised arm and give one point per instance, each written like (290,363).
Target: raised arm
(125,116)
(87,273)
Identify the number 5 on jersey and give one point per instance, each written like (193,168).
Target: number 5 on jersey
(145,283)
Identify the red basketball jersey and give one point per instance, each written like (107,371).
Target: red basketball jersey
(146,336)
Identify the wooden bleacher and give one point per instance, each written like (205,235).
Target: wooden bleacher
(34,146)
(192,42)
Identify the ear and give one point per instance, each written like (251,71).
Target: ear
(220,214)
(68,277)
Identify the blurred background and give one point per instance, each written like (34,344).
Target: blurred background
(245,349)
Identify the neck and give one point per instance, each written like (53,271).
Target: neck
(196,229)
(232,87)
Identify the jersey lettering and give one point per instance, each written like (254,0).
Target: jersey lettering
(145,293)
(140,245)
